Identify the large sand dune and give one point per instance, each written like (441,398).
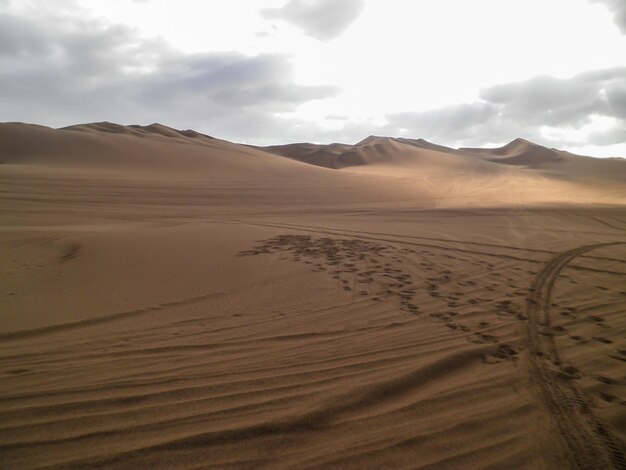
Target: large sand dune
(173,300)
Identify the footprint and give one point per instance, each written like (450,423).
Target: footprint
(446,317)
(483,338)
(607,397)
(558,330)
(412,308)
(570,372)
(602,340)
(504,351)
(457,327)
(605,380)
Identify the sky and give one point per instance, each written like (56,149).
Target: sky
(454,72)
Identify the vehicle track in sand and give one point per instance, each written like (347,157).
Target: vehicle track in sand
(443,243)
(586,442)
(609,224)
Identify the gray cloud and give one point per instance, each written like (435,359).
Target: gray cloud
(231,80)
(618,8)
(18,38)
(614,135)
(321,19)
(68,70)
(616,99)
(458,121)
(522,109)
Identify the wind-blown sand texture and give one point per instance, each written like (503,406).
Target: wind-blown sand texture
(173,300)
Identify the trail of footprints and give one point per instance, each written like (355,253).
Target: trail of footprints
(378,271)
(571,372)
(363,267)
(571,313)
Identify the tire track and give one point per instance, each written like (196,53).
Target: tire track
(370,236)
(587,443)
(607,224)
(414,237)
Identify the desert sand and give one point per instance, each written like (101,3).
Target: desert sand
(172,300)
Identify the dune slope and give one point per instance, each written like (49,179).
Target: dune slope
(173,300)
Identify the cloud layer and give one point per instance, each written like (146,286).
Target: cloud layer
(321,19)
(71,70)
(511,110)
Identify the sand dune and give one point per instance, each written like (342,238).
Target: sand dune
(519,152)
(519,173)
(151,149)
(388,149)
(173,300)
(371,150)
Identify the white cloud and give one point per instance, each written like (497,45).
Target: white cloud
(321,19)
(618,8)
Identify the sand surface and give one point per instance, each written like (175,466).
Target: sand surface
(171,300)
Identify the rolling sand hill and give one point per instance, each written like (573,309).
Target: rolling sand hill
(520,173)
(172,300)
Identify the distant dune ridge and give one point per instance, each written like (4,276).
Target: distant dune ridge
(520,172)
(169,299)
(375,149)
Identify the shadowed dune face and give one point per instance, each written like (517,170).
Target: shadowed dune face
(173,300)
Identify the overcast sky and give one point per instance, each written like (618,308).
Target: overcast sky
(455,72)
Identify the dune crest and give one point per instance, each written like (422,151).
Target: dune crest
(520,152)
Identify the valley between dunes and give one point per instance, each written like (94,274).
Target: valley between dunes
(173,300)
